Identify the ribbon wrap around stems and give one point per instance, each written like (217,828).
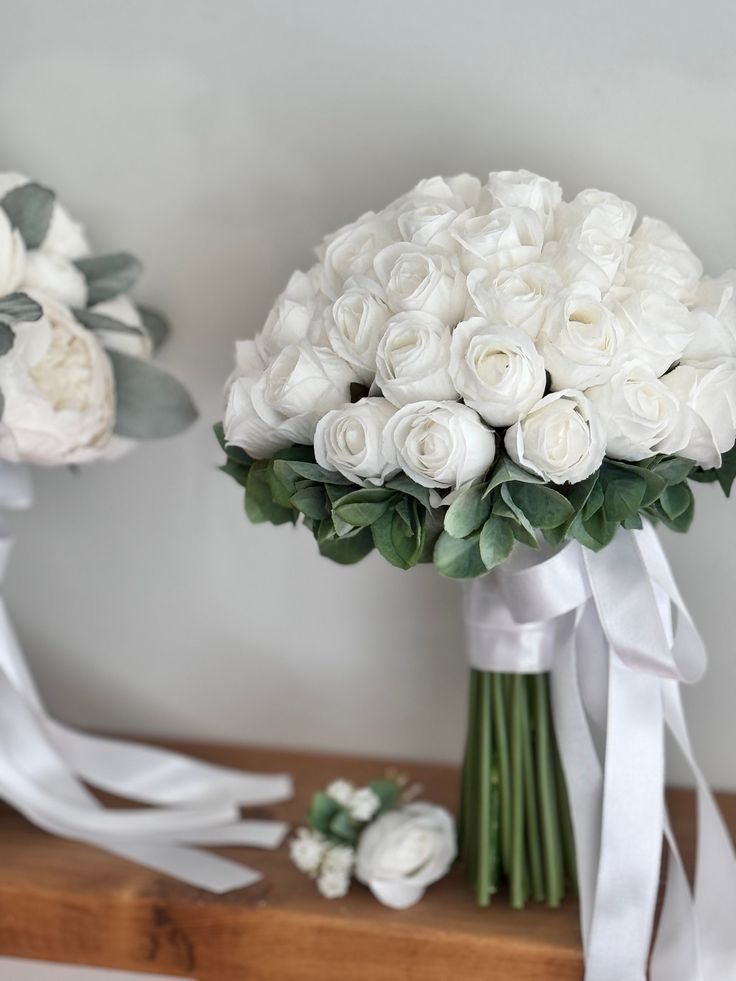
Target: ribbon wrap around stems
(45,765)
(617,639)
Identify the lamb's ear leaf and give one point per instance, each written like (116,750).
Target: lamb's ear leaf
(150,403)
(19,308)
(100,321)
(7,338)
(30,208)
(156,324)
(108,276)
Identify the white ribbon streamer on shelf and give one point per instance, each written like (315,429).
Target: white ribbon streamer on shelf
(43,765)
(615,633)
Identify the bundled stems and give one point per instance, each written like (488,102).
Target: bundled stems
(514,825)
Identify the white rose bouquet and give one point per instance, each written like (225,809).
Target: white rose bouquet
(478,367)
(76,382)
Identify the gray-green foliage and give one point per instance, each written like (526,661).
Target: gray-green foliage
(334,821)
(479,528)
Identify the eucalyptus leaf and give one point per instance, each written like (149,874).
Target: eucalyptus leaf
(525,532)
(19,308)
(468,511)
(654,484)
(507,470)
(156,324)
(348,550)
(313,471)
(311,501)
(458,558)
(406,485)
(232,452)
(676,499)
(673,469)
(623,496)
(259,503)
(364,506)
(322,811)
(237,471)
(7,338)
(496,541)
(387,791)
(30,208)
(100,321)
(343,828)
(150,403)
(543,506)
(399,545)
(109,275)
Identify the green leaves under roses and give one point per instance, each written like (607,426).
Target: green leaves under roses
(482,523)
(334,821)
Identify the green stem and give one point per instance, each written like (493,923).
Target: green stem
(500,732)
(568,838)
(483,887)
(467,787)
(517,876)
(547,797)
(530,791)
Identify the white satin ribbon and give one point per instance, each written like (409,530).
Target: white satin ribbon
(615,633)
(45,766)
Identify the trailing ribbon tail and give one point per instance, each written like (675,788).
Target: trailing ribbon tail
(623,641)
(43,765)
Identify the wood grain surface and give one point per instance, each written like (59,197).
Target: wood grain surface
(68,902)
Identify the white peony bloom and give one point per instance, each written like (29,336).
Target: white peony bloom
(413,359)
(282,405)
(439,444)
(359,319)
(580,340)
(505,238)
(351,250)
(12,256)
(414,279)
(518,297)
(307,849)
(364,804)
(496,370)
(404,851)
(59,391)
(138,343)
(341,791)
(523,189)
(659,259)
(638,412)
(561,440)
(333,883)
(708,397)
(296,316)
(350,440)
(56,277)
(656,328)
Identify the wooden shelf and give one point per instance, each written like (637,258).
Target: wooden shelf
(67,902)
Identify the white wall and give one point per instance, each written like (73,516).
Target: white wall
(220,141)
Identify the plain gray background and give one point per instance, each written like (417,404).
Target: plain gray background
(220,140)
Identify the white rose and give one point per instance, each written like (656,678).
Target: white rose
(404,851)
(715,321)
(65,237)
(296,316)
(638,412)
(282,405)
(56,277)
(657,328)
(359,318)
(594,209)
(427,215)
(659,259)
(59,391)
(439,444)
(592,230)
(708,396)
(496,370)
(12,256)
(413,279)
(561,440)
(351,250)
(413,360)
(502,239)
(515,296)
(580,340)
(350,440)
(137,343)
(523,189)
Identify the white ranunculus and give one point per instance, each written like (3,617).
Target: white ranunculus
(137,343)
(708,396)
(715,321)
(580,340)
(638,412)
(12,256)
(56,277)
(296,316)
(359,319)
(59,391)
(351,250)
(414,279)
(404,851)
(503,239)
(656,328)
(64,237)
(518,297)
(523,189)
(439,444)
(413,360)
(350,440)
(659,259)
(282,405)
(496,369)
(561,439)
